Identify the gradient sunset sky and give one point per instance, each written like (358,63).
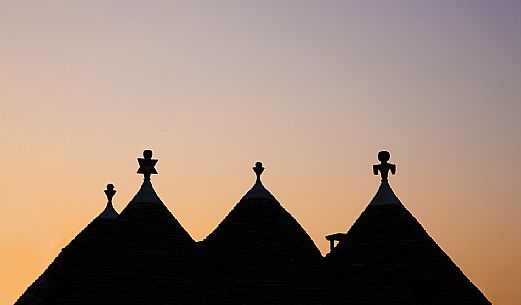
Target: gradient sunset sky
(313,89)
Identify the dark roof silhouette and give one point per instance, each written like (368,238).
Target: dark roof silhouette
(259,254)
(387,257)
(84,260)
(144,257)
(157,261)
(259,245)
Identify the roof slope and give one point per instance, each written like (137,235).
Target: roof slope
(157,262)
(84,260)
(146,257)
(261,245)
(387,257)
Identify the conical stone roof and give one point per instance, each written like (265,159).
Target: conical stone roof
(78,271)
(145,256)
(156,261)
(258,246)
(387,257)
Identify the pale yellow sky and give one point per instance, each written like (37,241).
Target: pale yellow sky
(314,90)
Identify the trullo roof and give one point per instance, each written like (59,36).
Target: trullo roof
(259,245)
(144,256)
(387,257)
(78,271)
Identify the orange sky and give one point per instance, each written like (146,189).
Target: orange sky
(312,89)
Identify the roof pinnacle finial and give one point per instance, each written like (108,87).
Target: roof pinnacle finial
(258,169)
(109,212)
(110,192)
(146,164)
(384,167)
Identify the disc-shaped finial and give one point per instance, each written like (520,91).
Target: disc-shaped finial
(110,192)
(258,169)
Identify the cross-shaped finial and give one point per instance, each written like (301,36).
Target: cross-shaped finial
(110,192)
(146,164)
(384,167)
(258,169)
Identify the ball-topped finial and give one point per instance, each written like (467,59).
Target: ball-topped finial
(384,167)
(147,154)
(258,169)
(384,156)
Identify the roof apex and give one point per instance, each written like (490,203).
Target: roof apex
(109,212)
(258,191)
(146,194)
(385,196)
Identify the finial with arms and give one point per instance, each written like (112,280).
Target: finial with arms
(384,167)
(146,164)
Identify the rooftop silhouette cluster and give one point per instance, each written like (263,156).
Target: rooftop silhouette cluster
(259,254)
